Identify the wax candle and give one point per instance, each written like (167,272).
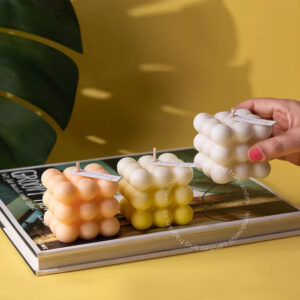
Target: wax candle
(154,194)
(223,145)
(80,207)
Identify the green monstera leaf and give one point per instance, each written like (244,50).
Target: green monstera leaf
(51,19)
(36,73)
(39,74)
(21,130)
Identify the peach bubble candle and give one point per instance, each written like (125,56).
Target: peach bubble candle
(78,206)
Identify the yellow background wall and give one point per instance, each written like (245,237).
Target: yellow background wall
(155,64)
(149,66)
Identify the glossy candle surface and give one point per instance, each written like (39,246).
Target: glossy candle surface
(155,195)
(223,146)
(80,207)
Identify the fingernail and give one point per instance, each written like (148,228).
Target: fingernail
(255,154)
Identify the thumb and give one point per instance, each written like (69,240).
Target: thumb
(274,147)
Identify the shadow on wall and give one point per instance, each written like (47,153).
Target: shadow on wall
(148,68)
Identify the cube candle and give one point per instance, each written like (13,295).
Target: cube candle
(223,145)
(79,206)
(153,194)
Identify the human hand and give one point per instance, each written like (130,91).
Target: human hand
(285,140)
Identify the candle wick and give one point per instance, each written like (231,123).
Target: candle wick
(77,166)
(154,154)
(232,112)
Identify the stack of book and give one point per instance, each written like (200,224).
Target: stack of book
(224,215)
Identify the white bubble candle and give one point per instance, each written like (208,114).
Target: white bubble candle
(223,145)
